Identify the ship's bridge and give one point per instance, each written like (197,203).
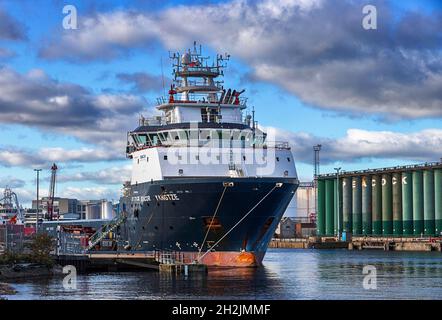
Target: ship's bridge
(197,95)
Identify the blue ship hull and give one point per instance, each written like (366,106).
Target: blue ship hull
(178,214)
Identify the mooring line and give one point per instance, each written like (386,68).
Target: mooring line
(225,235)
(211,221)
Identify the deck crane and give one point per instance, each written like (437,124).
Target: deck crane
(50,206)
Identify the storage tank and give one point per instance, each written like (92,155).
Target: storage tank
(93,211)
(418,203)
(429,203)
(347,205)
(366,206)
(407,203)
(376,196)
(387,205)
(397,204)
(329,206)
(357,205)
(106,210)
(320,217)
(438,201)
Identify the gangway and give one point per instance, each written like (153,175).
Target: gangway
(105,230)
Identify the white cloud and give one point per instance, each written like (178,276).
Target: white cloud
(11,182)
(358,145)
(34,99)
(112,175)
(14,157)
(316,50)
(95,193)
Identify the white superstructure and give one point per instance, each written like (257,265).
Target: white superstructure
(202,131)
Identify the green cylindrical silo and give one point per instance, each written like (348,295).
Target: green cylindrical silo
(329,206)
(387,205)
(407,203)
(346,205)
(376,197)
(418,203)
(338,206)
(429,202)
(397,203)
(320,223)
(438,200)
(366,206)
(357,205)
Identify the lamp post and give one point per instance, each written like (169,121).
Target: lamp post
(337,202)
(38,203)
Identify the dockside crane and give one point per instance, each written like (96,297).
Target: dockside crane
(7,202)
(50,204)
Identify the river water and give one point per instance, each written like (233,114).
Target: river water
(287,274)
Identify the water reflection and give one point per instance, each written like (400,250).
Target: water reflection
(287,274)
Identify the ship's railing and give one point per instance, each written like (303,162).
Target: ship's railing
(214,70)
(198,83)
(420,166)
(224,143)
(200,98)
(279,145)
(153,121)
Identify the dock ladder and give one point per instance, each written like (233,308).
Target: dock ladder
(105,230)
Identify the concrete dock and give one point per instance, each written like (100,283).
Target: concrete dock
(362,243)
(121,261)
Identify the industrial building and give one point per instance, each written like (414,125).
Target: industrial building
(300,217)
(286,228)
(305,199)
(77,209)
(397,201)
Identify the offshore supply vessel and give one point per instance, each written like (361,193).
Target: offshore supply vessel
(206,181)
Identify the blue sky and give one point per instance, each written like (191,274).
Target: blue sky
(313,84)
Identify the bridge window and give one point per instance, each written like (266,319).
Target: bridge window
(209,114)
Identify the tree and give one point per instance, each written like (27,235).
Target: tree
(41,247)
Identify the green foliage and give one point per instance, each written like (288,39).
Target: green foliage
(9,258)
(41,247)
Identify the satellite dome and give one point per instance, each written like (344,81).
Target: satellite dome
(185,58)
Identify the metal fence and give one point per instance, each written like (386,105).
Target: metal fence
(175,257)
(11,238)
(71,243)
